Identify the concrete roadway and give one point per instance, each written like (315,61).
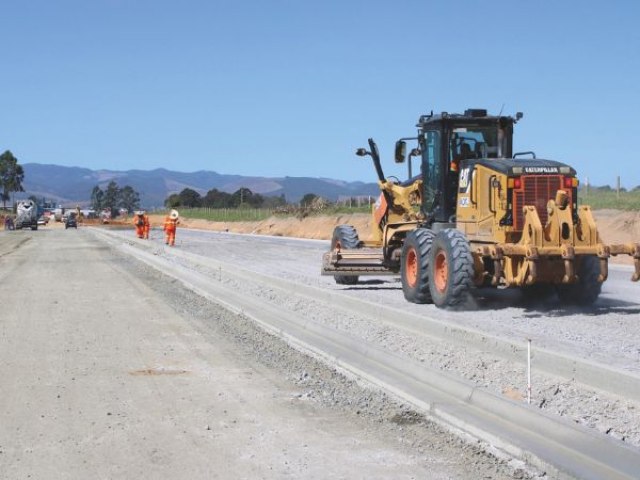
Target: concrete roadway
(101,378)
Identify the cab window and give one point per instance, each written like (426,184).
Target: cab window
(431,166)
(473,142)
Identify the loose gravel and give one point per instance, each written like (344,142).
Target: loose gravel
(603,334)
(381,414)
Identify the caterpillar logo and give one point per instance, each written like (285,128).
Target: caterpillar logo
(463,184)
(541,170)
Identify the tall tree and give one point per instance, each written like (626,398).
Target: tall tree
(217,199)
(97,196)
(308,199)
(172,201)
(129,199)
(111,196)
(244,197)
(190,198)
(11,176)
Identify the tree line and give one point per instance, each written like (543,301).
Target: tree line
(114,198)
(243,197)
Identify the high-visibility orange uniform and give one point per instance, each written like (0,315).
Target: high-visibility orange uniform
(138,221)
(147,226)
(170,224)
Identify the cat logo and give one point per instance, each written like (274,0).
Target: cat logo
(463,184)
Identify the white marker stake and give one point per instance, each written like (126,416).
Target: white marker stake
(529,371)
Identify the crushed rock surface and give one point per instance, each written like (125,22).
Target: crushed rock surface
(607,333)
(380,414)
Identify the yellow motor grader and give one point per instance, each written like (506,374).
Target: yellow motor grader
(477,215)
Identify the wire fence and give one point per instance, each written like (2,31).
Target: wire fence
(258,214)
(227,214)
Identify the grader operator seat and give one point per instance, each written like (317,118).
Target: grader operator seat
(466,151)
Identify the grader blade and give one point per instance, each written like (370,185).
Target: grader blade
(354,262)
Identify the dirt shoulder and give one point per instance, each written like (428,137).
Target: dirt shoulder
(615,226)
(316,227)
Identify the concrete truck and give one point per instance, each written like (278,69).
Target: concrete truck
(26,215)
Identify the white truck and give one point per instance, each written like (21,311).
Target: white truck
(26,215)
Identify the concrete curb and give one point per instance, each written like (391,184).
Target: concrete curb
(564,449)
(599,377)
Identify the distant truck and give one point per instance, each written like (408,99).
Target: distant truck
(57,214)
(105,215)
(26,215)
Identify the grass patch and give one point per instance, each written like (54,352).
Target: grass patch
(227,214)
(601,198)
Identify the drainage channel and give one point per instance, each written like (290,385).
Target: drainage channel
(559,447)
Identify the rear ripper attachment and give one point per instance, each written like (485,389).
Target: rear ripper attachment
(476,215)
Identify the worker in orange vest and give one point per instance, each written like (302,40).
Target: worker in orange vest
(138,222)
(147,225)
(170,224)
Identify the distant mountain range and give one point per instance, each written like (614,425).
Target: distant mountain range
(73,185)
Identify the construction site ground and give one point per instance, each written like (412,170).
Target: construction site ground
(615,226)
(111,369)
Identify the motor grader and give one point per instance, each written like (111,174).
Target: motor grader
(477,215)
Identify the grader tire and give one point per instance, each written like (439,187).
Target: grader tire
(587,289)
(450,269)
(345,237)
(414,266)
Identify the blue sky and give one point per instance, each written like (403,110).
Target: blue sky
(292,88)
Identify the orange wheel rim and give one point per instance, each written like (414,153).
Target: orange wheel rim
(440,272)
(411,268)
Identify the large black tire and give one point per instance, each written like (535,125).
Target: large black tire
(414,266)
(450,269)
(346,238)
(587,289)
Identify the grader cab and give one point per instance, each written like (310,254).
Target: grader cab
(477,215)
